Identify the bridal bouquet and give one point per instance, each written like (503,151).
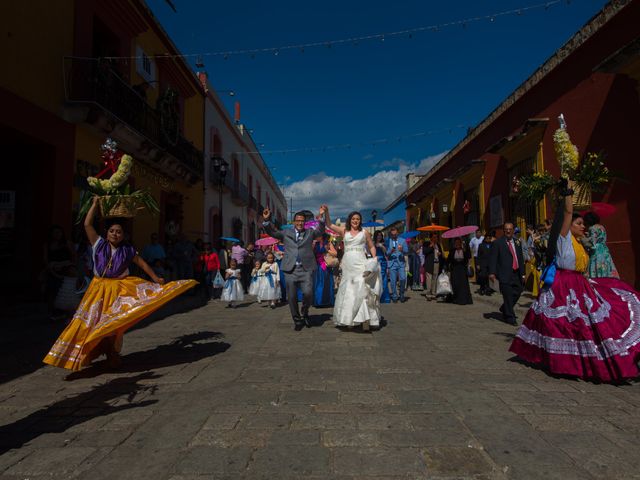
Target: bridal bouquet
(116,198)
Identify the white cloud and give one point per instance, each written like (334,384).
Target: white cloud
(344,194)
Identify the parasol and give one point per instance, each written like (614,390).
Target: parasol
(409,234)
(460,231)
(230,239)
(601,209)
(433,228)
(265,242)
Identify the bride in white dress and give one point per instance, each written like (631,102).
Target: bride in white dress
(358,298)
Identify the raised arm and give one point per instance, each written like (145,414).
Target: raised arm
(567,217)
(327,220)
(92,235)
(268,226)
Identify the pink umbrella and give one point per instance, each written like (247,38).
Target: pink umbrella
(265,242)
(601,209)
(460,231)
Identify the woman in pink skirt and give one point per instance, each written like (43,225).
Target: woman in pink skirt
(580,327)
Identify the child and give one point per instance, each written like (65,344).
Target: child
(232,290)
(269,283)
(256,274)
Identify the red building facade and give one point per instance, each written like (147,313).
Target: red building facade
(594,81)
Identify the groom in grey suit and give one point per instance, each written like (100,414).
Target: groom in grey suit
(299,262)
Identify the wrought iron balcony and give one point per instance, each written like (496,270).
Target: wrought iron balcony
(99,85)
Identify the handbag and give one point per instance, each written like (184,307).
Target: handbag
(443,285)
(470,271)
(548,274)
(218,281)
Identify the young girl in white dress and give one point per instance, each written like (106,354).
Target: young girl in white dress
(232,290)
(269,282)
(255,280)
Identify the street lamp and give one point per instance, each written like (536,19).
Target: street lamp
(220,166)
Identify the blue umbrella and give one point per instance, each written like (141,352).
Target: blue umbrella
(373,224)
(410,234)
(230,239)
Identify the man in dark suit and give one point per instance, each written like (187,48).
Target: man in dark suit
(299,262)
(506,262)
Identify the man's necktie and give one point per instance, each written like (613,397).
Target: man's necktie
(514,262)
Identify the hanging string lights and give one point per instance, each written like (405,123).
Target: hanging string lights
(358,40)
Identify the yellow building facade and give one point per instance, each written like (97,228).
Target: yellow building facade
(62,97)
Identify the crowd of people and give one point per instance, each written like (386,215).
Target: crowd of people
(582,323)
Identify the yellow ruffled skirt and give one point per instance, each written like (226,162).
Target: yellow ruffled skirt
(108,309)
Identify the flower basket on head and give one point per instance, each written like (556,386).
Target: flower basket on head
(118,206)
(581,195)
(116,199)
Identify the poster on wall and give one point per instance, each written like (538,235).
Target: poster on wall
(496,218)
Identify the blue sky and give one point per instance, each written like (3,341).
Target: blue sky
(440,81)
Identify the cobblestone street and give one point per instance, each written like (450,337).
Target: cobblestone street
(221,393)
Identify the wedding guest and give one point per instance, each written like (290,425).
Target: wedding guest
(600,261)
(506,265)
(211,266)
(414,264)
(323,293)
(458,264)
(482,265)
(269,282)
(433,263)
(240,254)
(254,286)
(397,274)
(233,290)
(184,253)
(474,243)
(381,252)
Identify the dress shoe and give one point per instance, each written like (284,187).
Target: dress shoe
(307,320)
(298,324)
(512,322)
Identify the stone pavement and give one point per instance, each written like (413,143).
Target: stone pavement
(233,394)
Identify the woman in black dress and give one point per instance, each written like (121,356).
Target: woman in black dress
(458,262)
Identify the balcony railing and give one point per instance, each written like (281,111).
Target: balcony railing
(98,83)
(240,194)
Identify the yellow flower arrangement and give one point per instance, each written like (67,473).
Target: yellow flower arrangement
(116,197)
(118,178)
(566,152)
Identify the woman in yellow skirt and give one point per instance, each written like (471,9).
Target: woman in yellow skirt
(113,303)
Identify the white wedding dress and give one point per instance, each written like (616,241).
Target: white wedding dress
(358,298)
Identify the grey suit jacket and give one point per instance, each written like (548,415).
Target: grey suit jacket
(303,249)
